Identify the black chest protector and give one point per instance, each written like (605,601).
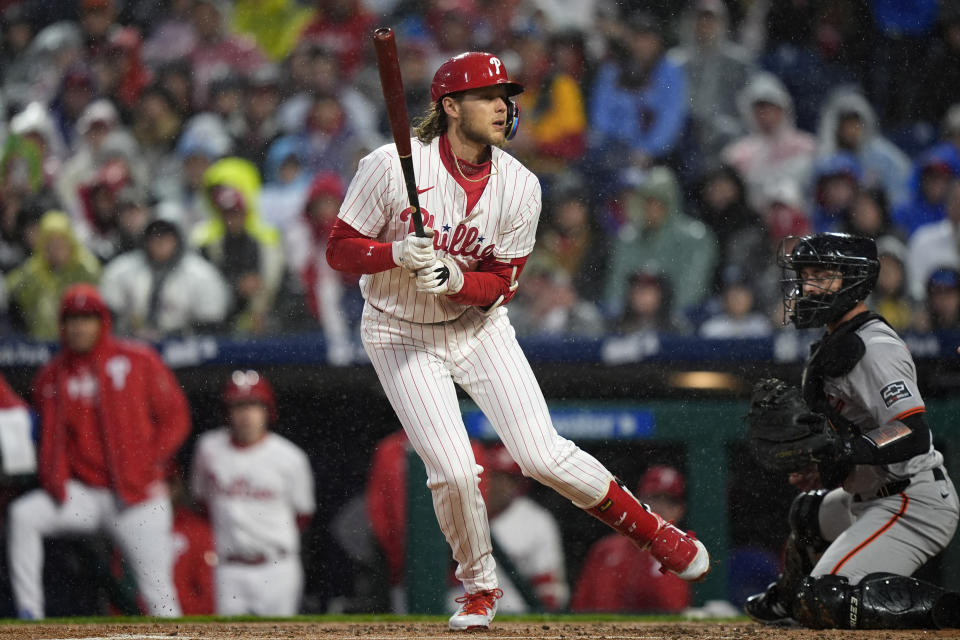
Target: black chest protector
(835,355)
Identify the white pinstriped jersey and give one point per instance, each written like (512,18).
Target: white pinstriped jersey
(503,223)
(253,493)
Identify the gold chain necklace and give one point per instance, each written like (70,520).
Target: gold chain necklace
(493,170)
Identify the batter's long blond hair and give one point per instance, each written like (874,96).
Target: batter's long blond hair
(433,122)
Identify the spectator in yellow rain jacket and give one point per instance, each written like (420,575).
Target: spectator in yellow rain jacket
(248,251)
(35,287)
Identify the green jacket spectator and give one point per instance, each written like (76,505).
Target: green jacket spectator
(36,287)
(660,238)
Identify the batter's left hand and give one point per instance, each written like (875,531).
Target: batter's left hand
(443,277)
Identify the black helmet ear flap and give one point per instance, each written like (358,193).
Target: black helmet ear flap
(513,119)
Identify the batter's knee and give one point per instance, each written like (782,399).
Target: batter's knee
(538,472)
(460,479)
(804,519)
(547,465)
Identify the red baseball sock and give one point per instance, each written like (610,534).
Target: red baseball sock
(626,515)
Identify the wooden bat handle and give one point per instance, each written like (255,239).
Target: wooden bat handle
(388,63)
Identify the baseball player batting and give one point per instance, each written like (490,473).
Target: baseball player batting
(887,505)
(434,318)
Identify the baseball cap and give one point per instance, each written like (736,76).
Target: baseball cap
(944,278)
(661,480)
(83,300)
(644,277)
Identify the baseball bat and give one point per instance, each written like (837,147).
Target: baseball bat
(392,84)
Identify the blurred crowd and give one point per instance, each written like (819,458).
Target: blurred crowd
(190,156)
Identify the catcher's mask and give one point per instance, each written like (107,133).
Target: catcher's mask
(854,261)
(473,70)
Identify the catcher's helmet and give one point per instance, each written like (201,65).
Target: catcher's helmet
(473,70)
(853,257)
(250,386)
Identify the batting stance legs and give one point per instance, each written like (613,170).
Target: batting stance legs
(141,531)
(418,365)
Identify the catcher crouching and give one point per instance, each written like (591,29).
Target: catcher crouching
(883,503)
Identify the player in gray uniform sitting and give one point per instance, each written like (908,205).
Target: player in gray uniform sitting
(887,505)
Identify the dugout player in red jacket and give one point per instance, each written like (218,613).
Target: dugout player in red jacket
(111,416)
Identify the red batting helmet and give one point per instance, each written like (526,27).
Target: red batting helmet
(471,70)
(250,386)
(661,480)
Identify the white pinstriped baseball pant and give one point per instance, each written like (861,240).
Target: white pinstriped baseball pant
(418,366)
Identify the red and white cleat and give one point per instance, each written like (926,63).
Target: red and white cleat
(680,553)
(476,610)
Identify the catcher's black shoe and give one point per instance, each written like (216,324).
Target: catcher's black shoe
(766,608)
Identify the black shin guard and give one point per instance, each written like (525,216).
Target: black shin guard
(879,601)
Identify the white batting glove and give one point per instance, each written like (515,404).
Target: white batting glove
(443,277)
(414,252)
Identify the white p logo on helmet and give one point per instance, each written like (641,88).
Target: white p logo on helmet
(495,61)
(245,378)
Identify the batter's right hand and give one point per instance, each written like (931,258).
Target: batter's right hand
(413,252)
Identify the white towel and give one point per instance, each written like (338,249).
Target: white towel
(16,442)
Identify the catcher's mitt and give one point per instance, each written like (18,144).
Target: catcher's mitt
(783,433)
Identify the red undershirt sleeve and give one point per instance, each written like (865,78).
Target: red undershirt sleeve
(491,280)
(349,250)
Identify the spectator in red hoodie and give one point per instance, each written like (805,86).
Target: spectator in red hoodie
(111,416)
(331,296)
